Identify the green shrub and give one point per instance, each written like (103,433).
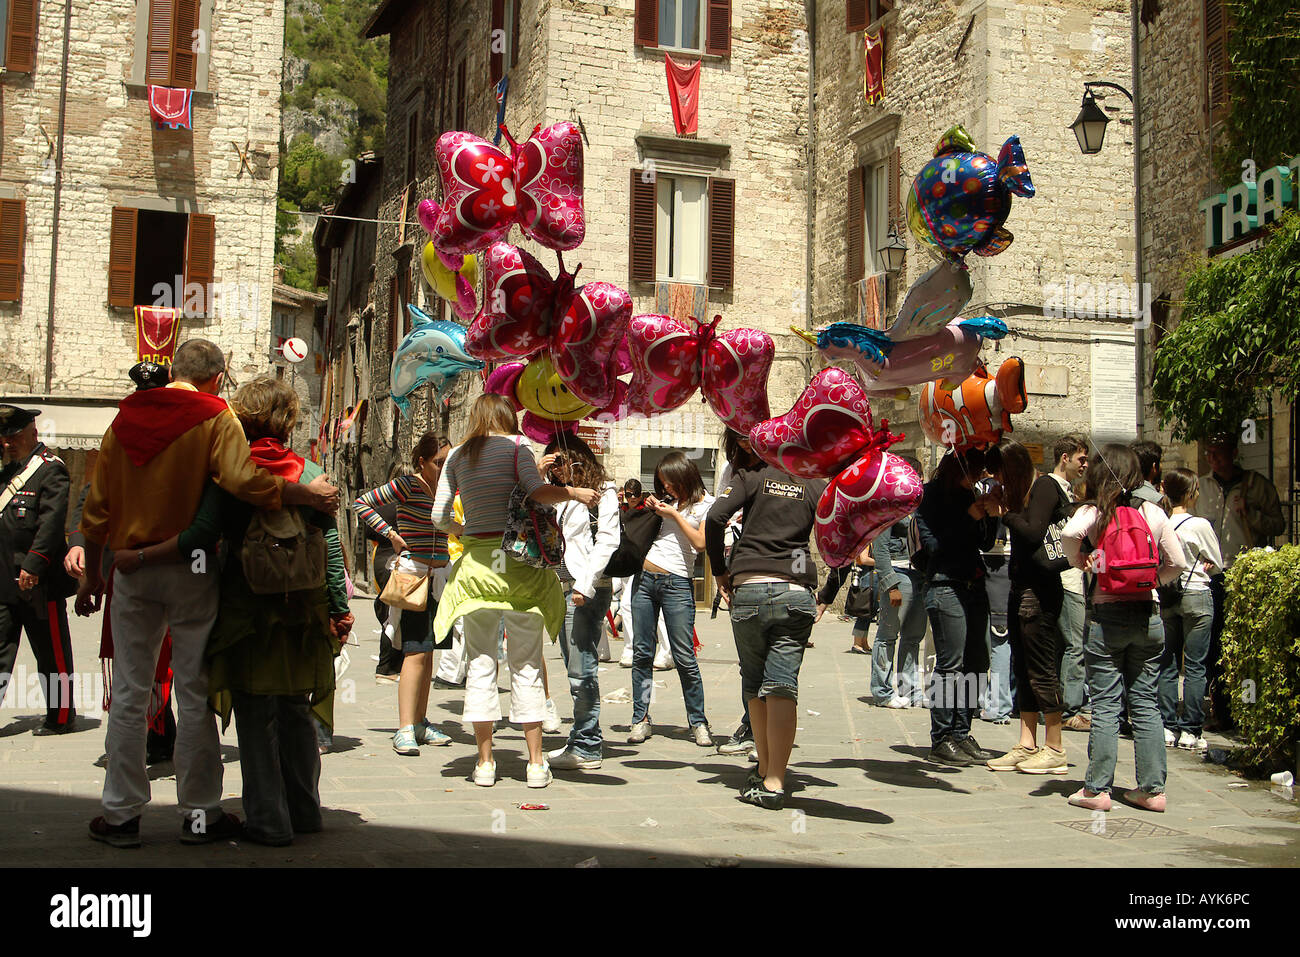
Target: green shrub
(1261,654)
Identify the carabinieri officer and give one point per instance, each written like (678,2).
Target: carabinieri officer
(33,584)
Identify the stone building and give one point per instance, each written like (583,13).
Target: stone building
(592,62)
(344,240)
(298,314)
(1183,70)
(103,211)
(999,68)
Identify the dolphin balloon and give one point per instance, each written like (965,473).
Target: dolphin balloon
(433,352)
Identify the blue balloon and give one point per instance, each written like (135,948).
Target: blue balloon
(433,352)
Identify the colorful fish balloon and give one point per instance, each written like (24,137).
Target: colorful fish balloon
(961,198)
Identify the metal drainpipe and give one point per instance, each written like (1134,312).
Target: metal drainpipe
(58,193)
(1140,335)
(810,16)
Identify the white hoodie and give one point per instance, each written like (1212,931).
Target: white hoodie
(585,559)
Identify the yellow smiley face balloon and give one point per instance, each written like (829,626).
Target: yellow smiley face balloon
(540,391)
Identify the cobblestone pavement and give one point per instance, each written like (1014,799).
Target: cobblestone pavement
(860,790)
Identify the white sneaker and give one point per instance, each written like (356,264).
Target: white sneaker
(664,664)
(551,723)
(539,775)
(1189,743)
(485,775)
(626,659)
(562,759)
(1170,739)
(899,702)
(639,732)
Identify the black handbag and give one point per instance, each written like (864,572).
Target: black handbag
(638,529)
(862,600)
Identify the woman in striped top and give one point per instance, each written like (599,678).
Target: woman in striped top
(420,547)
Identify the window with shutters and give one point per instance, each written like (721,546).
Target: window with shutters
(162,259)
(1216,59)
(172,43)
(13,240)
(681,220)
(875,211)
(18,52)
(689,26)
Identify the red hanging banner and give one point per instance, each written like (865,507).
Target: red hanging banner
(156,333)
(684,94)
(873,74)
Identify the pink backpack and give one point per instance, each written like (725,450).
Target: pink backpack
(1127,556)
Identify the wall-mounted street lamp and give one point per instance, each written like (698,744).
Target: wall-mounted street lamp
(893,253)
(1090,126)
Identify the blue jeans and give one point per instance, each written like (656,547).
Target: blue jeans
(997,697)
(1125,642)
(580,643)
(675,598)
(959,619)
(1187,636)
(1073,685)
(903,626)
(771,624)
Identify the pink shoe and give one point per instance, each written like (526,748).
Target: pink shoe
(1093,802)
(1146,800)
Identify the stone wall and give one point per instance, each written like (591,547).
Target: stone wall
(997,68)
(112,156)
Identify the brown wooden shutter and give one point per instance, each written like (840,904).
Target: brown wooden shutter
(717,28)
(895,187)
(185,62)
(394,304)
(121,257)
(856,266)
(495,57)
(514,46)
(722,232)
(1216,59)
(13,231)
(200,254)
(412,144)
(20,42)
(641,241)
(855,15)
(462,95)
(645,28)
(158,54)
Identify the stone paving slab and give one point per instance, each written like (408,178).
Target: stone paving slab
(860,793)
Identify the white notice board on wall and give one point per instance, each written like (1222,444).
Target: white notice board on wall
(1114,388)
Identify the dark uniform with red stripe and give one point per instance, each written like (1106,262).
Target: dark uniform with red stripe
(32,540)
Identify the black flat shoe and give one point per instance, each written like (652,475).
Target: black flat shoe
(945,752)
(970,746)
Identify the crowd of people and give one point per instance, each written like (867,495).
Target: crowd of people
(1086,598)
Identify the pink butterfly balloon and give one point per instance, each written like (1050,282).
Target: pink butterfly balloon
(828,426)
(862,501)
(671,359)
(526,311)
(485,191)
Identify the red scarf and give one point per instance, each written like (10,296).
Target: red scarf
(271,455)
(149,421)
